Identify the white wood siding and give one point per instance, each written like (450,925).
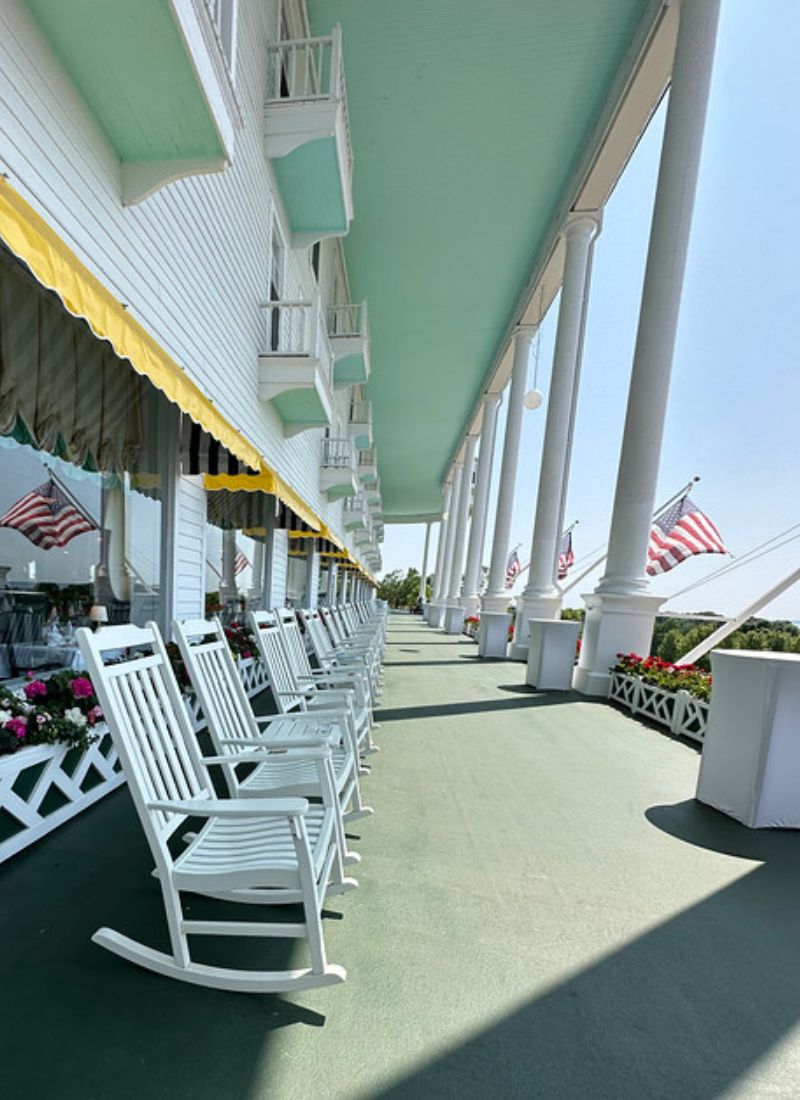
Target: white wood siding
(190,548)
(192,261)
(276,597)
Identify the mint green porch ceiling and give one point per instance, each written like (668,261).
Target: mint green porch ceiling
(468,118)
(130,64)
(310,184)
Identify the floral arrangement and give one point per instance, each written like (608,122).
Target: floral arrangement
(241,641)
(472,620)
(63,708)
(664,674)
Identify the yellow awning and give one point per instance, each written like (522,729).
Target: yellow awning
(267,481)
(57,267)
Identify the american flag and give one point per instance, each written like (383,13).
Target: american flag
(241,562)
(680,533)
(47,517)
(566,555)
(513,568)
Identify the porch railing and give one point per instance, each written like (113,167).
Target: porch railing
(367,457)
(307,69)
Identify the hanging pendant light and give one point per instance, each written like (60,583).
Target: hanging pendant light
(534,397)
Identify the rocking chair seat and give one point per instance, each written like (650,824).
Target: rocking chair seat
(297,778)
(231,854)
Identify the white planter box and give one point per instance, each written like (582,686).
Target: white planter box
(682,713)
(45,785)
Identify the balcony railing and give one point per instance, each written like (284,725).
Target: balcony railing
(337,453)
(348,320)
(307,70)
(296,357)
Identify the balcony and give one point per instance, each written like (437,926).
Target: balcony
(368,466)
(295,370)
(372,494)
(163,91)
(349,333)
(337,476)
(354,514)
(591,929)
(360,424)
(307,136)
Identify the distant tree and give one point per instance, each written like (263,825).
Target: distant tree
(399,590)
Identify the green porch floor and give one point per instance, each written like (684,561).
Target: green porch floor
(544,912)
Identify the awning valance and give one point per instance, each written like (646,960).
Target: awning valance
(266,481)
(56,266)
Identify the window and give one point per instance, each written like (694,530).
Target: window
(223,15)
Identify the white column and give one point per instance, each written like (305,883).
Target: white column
(447,560)
(333,581)
(477,533)
(256,592)
(454,614)
(424,570)
(493,635)
(431,611)
(227,587)
(312,575)
(345,585)
(620,614)
(541,598)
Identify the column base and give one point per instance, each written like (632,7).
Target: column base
(454,619)
(471,605)
(434,613)
(531,607)
(493,634)
(614,624)
(551,653)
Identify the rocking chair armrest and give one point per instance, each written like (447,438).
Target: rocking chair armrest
(295,716)
(259,753)
(313,741)
(292,694)
(233,807)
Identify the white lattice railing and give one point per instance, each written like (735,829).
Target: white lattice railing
(45,785)
(683,714)
(302,70)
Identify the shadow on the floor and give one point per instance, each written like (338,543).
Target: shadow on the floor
(685,1010)
(432,664)
(485,706)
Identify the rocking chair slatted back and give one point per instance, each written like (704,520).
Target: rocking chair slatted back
(326,614)
(267,632)
(320,639)
(144,710)
(295,645)
(219,686)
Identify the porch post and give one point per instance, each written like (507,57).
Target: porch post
(620,614)
(480,504)
(424,570)
(257,585)
(345,580)
(333,580)
(541,598)
(454,612)
(447,560)
(269,553)
(493,633)
(227,587)
(431,611)
(312,575)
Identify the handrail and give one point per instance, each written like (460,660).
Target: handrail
(336,453)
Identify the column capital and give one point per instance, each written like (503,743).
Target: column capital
(525,333)
(584,223)
(490,399)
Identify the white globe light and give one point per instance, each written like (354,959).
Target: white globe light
(533,399)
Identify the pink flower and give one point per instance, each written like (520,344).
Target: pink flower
(17,726)
(82,688)
(94,715)
(34,688)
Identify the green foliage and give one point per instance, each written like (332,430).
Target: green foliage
(402,591)
(62,709)
(674,637)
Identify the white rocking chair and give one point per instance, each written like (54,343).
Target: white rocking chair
(342,661)
(234,730)
(290,693)
(254,850)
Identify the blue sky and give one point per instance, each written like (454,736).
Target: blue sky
(735,399)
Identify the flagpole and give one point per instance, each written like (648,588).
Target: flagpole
(658,512)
